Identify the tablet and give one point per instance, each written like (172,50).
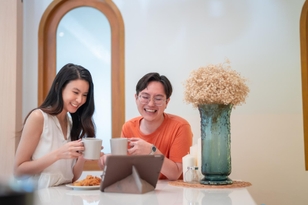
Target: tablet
(118,167)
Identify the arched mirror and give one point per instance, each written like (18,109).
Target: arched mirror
(89,33)
(81,41)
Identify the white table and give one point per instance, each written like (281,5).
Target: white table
(164,194)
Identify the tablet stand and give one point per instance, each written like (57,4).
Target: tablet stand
(132,184)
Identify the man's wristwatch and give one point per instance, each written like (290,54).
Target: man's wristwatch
(153,150)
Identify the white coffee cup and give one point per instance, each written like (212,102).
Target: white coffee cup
(92,148)
(118,146)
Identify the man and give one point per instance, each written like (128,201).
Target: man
(156,132)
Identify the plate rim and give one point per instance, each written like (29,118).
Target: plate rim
(82,187)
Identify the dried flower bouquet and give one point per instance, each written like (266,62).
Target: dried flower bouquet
(215,84)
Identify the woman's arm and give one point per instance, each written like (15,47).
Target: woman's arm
(23,164)
(32,130)
(78,168)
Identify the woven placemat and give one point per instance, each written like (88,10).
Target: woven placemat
(235,184)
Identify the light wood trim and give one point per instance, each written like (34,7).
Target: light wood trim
(47,52)
(304,69)
(11,51)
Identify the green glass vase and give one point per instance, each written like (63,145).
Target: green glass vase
(215,143)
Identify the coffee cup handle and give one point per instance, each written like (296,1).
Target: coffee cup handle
(81,152)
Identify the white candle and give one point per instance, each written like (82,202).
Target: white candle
(187,161)
(199,152)
(194,153)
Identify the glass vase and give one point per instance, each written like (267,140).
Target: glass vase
(215,143)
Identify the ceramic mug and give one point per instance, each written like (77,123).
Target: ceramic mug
(92,148)
(118,146)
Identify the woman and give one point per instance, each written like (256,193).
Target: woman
(50,148)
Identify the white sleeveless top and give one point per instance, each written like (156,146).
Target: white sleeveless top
(52,138)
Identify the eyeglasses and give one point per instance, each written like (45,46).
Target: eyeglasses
(145,99)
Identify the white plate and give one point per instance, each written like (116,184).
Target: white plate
(82,187)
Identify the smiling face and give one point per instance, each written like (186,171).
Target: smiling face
(150,111)
(74,95)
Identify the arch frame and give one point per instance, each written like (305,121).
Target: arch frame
(304,74)
(47,52)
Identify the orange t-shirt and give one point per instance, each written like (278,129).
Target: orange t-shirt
(173,138)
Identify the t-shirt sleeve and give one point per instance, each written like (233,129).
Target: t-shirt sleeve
(130,128)
(181,144)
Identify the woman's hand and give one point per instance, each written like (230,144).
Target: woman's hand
(71,150)
(139,146)
(102,160)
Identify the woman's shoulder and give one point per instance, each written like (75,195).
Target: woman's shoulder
(36,114)
(35,119)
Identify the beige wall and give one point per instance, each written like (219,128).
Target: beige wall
(10,81)
(267,137)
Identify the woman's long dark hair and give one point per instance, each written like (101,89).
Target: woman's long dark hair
(83,124)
